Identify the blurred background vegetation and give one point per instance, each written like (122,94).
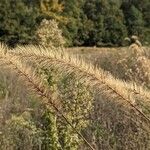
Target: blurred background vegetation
(84,22)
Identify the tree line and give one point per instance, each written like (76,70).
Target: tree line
(83,22)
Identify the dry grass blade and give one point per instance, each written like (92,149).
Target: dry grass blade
(63,61)
(36,84)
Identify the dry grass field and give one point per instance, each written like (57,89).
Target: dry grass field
(74,74)
(123,63)
(79,98)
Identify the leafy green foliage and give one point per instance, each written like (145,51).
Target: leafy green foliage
(72,11)
(134,21)
(18,22)
(83,22)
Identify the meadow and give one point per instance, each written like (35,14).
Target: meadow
(74,98)
(74,75)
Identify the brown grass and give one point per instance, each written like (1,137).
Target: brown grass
(120,109)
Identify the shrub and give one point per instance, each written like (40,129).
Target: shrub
(19,133)
(49,34)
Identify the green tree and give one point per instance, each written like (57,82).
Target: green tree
(52,9)
(92,34)
(108,22)
(134,19)
(114,28)
(17,22)
(144,7)
(73,11)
